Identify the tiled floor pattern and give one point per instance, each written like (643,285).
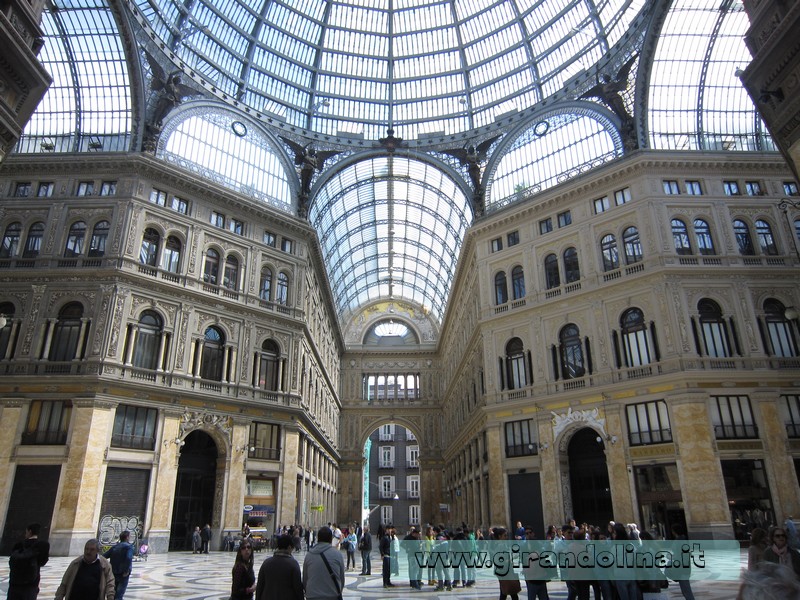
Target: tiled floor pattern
(184,576)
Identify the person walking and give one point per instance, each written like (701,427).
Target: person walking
(323,570)
(121,558)
(87,577)
(243,579)
(279,577)
(205,537)
(365,545)
(26,560)
(197,541)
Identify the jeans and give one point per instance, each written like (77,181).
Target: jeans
(537,590)
(387,570)
(366,563)
(120,585)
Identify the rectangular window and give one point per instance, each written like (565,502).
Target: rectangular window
(564,218)
(412,484)
(731,188)
(601,205)
(180,205)
(413,514)
(497,244)
(622,196)
(108,188)
(386,457)
(386,433)
(260,487)
(236,226)
(48,422)
(386,515)
(733,418)
(22,189)
(545,226)
(85,188)
(134,427)
(217,219)
(648,423)
(753,188)
(158,197)
(512,238)
(46,189)
(412,457)
(790,188)
(671,187)
(270,239)
(386,483)
(793,415)
(287,245)
(520,439)
(693,188)
(264,441)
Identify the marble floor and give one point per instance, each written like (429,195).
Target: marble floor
(184,576)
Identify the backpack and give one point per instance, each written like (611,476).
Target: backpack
(24,565)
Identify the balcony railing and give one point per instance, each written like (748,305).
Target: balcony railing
(264,453)
(655,436)
(135,442)
(44,438)
(735,432)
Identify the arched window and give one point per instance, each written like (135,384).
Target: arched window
(500,288)
(11,237)
(743,240)
(211,268)
(515,364)
(266,284)
(231,277)
(632,245)
(551,276)
(268,366)
(7,310)
(148,341)
(172,255)
(75,237)
(572,271)
(282,289)
(65,340)
(608,247)
(148,254)
(517,282)
(714,331)
(634,338)
(680,237)
(212,363)
(571,352)
(702,234)
(765,239)
(97,245)
(780,331)
(33,244)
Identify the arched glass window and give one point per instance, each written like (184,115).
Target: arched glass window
(211,268)
(231,276)
(680,237)
(268,366)
(33,244)
(515,361)
(518,282)
(66,333)
(765,239)
(714,331)
(632,245)
(702,234)
(266,284)
(572,270)
(212,364)
(172,255)
(75,237)
(634,338)
(571,351)
(148,341)
(10,245)
(500,288)
(608,247)
(743,240)
(551,276)
(282,289)
(780,331)
(148,254)
(7,310)
(97,245)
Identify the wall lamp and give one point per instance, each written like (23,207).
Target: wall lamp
(544,446)
(245,448)
(767,95)
(791,313)
(608,438)
(177,441)
(3,321)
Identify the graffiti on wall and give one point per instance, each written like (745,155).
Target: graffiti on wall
(111,526)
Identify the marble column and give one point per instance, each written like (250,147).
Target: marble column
(552,498)
(498,503)
(163,479)
(11,413)
(287,498)
(622,495)
(236,479)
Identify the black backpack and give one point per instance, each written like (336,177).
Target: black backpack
(24,565)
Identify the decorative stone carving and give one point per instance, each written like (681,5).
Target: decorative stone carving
(191,421)
(590,418)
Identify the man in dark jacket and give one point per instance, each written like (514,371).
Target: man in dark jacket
(385,546)
(120,556)
(205,538)
(279,577)
(27,557)
(365,545)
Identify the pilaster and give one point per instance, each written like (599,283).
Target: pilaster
(164,477)
(236,479)
(11,410)
(288,482)
(498,505)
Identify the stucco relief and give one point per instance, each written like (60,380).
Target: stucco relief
(33,317)
(219,427)
(137,213)
(184,326)
(584,418)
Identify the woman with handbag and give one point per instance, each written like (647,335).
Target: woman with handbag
(244,578)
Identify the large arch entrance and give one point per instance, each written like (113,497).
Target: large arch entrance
(588,478)
(194,489)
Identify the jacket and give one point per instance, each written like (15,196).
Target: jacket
(121,558)
(279,578)
(316,580)
(106,591)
